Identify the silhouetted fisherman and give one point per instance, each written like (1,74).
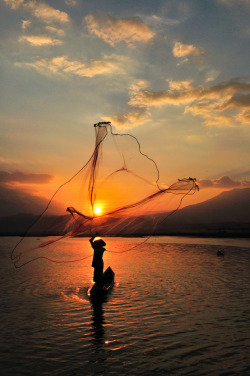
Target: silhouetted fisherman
(97,263)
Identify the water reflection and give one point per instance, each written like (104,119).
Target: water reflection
(99,357)
(98,322)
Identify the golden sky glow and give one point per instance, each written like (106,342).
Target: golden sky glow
(174,74)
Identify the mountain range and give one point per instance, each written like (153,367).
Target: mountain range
(227,214)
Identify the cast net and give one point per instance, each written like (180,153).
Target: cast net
(116,193)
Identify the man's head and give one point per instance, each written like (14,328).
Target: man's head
(99,243)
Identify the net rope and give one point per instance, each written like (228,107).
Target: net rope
(94,181)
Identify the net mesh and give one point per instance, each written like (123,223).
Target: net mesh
(116,193)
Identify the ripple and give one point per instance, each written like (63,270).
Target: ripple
(175,309)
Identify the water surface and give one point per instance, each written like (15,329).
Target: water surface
(176,308)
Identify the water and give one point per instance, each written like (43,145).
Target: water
(176,309)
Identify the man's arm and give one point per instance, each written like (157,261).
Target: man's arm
(92,241)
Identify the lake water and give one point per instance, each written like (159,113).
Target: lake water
(176,309)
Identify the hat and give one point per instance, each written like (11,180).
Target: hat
(99,243)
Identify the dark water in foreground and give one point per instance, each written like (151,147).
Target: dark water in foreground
(176,309)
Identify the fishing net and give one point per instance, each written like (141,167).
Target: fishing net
(116,193)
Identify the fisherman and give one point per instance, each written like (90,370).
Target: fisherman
(97,263)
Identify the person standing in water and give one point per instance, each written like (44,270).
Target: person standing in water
(97,263)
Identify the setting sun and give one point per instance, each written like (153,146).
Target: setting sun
(97,210)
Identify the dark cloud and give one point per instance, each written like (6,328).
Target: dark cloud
(24,178)
(238,100)
(225,182)
(14,201)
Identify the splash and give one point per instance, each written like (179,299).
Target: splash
(116,193)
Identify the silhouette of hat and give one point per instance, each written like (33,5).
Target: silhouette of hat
(99,243)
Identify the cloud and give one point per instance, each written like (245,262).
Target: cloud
(225,182)
(46,13)
(39,10)
(210,102)
(19,191)
(215,100)
(114,30)
(179,85)
(40,40)
(14,4)
(70,3)
(180,50)
(136,116)
(222,105)
(14,201)
(62,65)
(212,75)
(25,24)
(158,21)
(238,100)
(185,61)
(130,119)
(178,94)
(24,178)
(244,117)
(59,32)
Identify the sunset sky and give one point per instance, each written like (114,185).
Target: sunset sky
(175,74)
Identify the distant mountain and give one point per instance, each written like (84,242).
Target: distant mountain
(16,224)
(19,224)
(227,214)
(231,206)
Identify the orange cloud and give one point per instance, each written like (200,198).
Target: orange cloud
(62,64)
(180,50)
(178,94)
(244,117)
(46,12)
(25,24)
(130,119)
(40,10)
(138,114)
(241,100)
(212,75)
(59,32)
(114,30)
(208,102)
(14,4)
(217,99)
(179,85)
(40,40)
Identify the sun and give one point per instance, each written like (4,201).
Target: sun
(97,210)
